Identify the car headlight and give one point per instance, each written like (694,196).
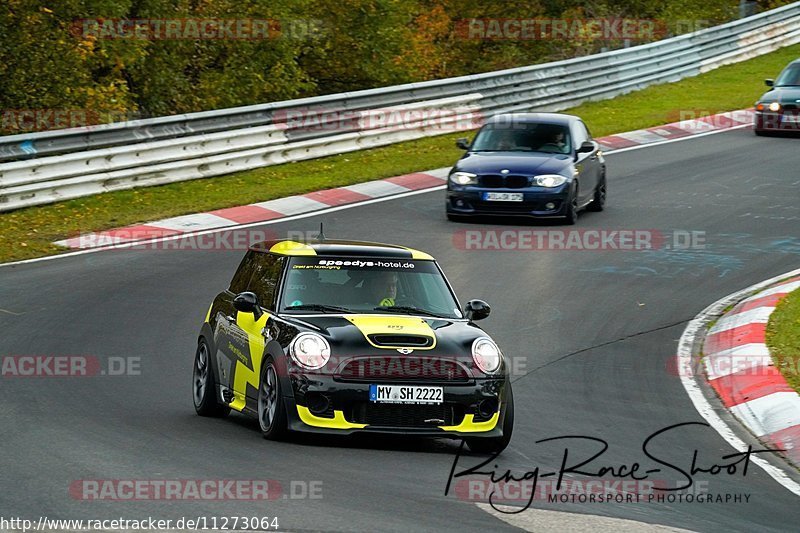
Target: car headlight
(486,354)
(550,180)
(774,106)
(463,178)
(310,350)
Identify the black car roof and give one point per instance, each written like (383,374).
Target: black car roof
(339,248)
(534,118)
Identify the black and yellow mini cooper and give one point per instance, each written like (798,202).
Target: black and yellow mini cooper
(345,337)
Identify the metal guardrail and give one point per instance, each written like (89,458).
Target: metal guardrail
(49,166)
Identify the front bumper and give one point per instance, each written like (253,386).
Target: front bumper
(324,404)
(469,202)
(787,120)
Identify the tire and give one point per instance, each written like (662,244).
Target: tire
(204,386)
(494,445)
(599,200)
(571,218)
(271,407)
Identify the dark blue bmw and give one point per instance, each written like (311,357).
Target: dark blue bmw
(528,164)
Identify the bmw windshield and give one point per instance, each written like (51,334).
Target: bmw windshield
(523,137)
(367,285)
(790,77)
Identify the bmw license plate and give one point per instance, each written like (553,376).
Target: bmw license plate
(405,394)
(502,196)
(790,119)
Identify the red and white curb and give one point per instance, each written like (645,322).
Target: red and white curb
(353,194)
(261,211)
(740,370)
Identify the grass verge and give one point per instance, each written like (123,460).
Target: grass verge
(29,232)
(783,338)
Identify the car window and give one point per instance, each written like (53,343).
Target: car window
(266,274)
(581,134)
(243,274)
(789,77)
(585,129)
(523,137)
(367,285)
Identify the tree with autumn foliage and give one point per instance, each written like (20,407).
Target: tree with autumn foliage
(48,61)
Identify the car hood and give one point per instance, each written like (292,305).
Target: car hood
(385,334)
(783,95)
(526,163)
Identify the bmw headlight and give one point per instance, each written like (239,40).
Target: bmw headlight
(774,106)
(463,178)
(486,355)
(310,350)
(550,180)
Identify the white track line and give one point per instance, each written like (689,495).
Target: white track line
(690,334)
(679,139)
(131,244)
(321,212)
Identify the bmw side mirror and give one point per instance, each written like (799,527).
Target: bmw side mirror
(247,302)
(769,82)
(476,310)
(587,147)
(463,143)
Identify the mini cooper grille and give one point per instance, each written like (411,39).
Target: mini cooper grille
(394,340)
(407,416)
(407,368)
(497,181)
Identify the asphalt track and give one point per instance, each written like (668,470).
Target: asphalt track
(596,331)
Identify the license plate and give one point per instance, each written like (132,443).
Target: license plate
(405,394)
(792,119)
(502,196)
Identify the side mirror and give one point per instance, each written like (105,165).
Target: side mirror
(769,82)
(247,302)
(587,147)
(476,310)
(463,143)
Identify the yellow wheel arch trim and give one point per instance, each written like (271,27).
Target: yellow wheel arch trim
(468,426)
(292,248)
(208,314)
(337,422)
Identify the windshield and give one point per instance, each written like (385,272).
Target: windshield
(367,285)
(789,77)
(549,138)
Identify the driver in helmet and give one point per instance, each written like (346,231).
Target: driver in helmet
(383,288)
